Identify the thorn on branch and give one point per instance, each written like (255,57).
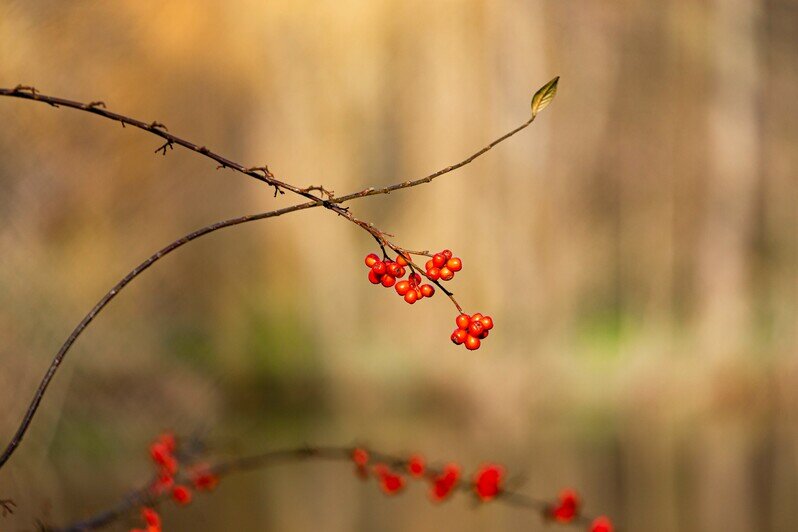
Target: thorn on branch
(7,506)
(203,150)
(264,169)
(26,88)
(168,144)
(320,188)
(92,105)
(158,125)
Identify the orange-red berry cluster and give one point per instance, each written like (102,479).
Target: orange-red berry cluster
(471,330)
(486,483)
(443,266)
(163,452)
(388,272)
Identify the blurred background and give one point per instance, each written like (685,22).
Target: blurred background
(637,247)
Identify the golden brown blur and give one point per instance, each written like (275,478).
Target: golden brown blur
(637,247)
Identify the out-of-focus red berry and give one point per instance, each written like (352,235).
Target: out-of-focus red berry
(459,336)
(151,517)
(487,481)
(402,287)
(411,296)
(446,274)
(443,484)
(181,494)
(371,259)
(416,465)
(388,280)
(360,456)
(472,343)
(204,479)
(567,508)
(427,290)
(601,524)
(463,321)
(454,264)
(391,483)
(438,260)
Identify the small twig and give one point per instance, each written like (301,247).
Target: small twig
(7,506)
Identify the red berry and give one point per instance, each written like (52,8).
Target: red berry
(472,343)
(483,334)
(568,507)
(487,481)
(204,480)
(446,253)
(402,287)
(416,465)
(476,328)
(454,264)
(459,336)
(446,274)
(151,517)
(434,273)
(601,524)
(181,495)
(476,317)
(463,321)
(443,484)
(427,290)
(391,483)
(374,278)
(438,260)
(393,269)
(371,259)
(411,296)
(388,280)
(429,265)
(487,322)
(360,456)
(415,279)
(401,261)
(379,268)
(400,272)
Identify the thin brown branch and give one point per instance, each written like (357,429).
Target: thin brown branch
(145,497)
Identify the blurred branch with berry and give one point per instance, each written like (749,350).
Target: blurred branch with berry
(181,471)
(441,266)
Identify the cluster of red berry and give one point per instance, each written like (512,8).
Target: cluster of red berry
(386,272)
(163,452)
(487,484)
(443,266)
(471,330)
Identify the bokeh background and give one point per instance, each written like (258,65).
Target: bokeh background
(637,248)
